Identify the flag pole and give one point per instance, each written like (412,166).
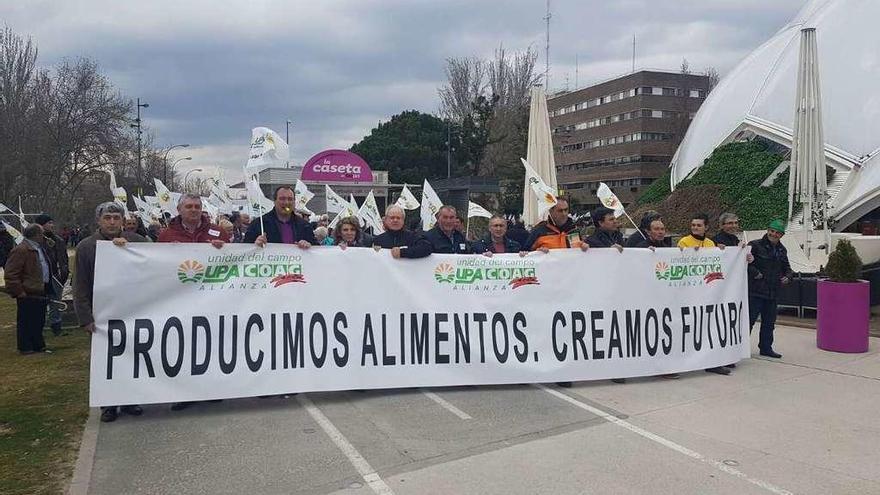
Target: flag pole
(259,206)
(634,225)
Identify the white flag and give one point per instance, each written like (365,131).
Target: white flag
(407,200)
(267,150)
(335,203)
(165,198)
(303,196)
(146,211)
(24,223)
(14,233)
(475,210)
(259,204)
(349,209)
(210,209)
(545,194)
(369,213)
(119,194)
(430,206)
(609,199)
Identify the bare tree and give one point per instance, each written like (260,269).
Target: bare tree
(685,66)
(713,77)
(465,83)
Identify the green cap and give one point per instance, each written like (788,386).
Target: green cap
(777,225)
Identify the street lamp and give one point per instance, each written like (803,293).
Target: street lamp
(137,125)
(174,164)
(186,176)
(165,159)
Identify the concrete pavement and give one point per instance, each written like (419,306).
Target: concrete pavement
(805,424)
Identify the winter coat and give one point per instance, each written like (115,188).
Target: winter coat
(443,244)
(206,232)
(486,244)
(302,231)
(23,273)
(605,239)
(726,239)
(771,263)
(411,244)
(548,235)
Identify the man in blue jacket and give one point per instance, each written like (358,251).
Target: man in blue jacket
(769,271)
(497,240)
(444,237)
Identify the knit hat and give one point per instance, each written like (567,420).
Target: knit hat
(43,219)
(777,225)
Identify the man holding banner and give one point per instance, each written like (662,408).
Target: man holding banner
(607,232)
(445,237)
(403,243)
(557,232)
(280,225)
(497,241)
(110,220)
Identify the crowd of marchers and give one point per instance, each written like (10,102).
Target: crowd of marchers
(37,268)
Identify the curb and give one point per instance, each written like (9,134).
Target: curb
(82,471)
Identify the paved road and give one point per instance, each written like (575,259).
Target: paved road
(807,424)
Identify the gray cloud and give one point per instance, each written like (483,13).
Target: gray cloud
(211,70)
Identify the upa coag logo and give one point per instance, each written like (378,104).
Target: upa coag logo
(486,275)
(243,272)
(444,273)
(690,270)
(190,271)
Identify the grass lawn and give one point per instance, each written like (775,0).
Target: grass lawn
(43,408)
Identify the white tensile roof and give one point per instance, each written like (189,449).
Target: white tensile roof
(757,98)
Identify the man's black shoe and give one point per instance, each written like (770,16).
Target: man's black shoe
(618,380)
(131,410)
(180,406)
(721,370)
(771,353)
(108,415)
(564,384)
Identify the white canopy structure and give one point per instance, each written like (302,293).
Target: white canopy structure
(757,98)
(539,153)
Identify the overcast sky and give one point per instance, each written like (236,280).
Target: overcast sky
(212,70)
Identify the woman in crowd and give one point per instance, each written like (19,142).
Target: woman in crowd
(348,233)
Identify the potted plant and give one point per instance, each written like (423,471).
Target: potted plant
(844,308)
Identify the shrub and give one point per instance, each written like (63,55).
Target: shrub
(844,264)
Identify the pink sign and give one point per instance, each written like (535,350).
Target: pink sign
(337,166)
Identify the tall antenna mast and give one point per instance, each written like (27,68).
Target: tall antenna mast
(547,50)
(575,71)
(634,53)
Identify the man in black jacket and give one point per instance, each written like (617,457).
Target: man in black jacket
(280,225)
(497,241)
(729,224)
(607,232)
(403,243)
(444,237)
(769,271)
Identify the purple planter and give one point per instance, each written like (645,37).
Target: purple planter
(843,316)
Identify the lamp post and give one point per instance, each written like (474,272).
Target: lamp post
(288,141)
(174,164)
(186,176)
(165,159)
(137,125)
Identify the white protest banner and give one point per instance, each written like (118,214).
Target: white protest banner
(407,199)
(16,235)
(430,206)
(244,321)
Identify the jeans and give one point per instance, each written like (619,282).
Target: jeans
(766,309)
(54,313)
